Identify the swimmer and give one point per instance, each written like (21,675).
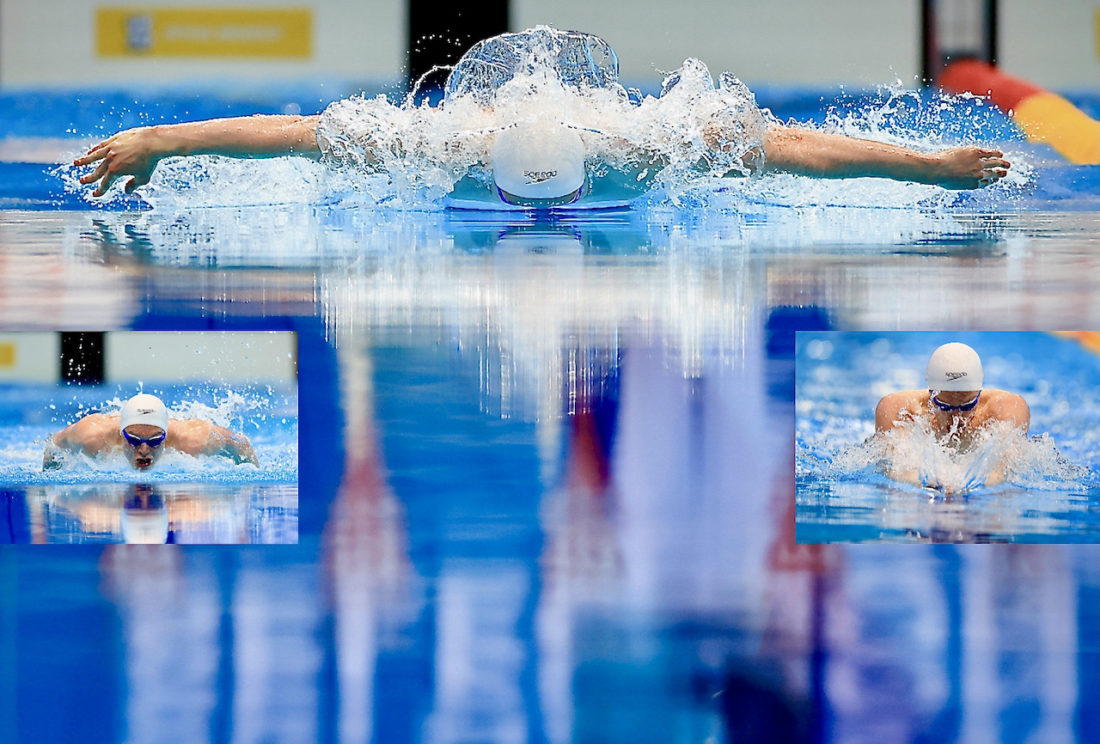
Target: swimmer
(143,431)
(538,162)
(954,403)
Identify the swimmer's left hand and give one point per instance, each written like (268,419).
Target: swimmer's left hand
(969,167)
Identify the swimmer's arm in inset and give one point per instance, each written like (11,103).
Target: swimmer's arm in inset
(90,435)
(1014,409)
(892,411)
(198,437)
(896,409)
(136,152)
(809,152)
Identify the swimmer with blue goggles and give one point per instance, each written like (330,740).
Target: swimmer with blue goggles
(969,405)
(954,398)
(143,429)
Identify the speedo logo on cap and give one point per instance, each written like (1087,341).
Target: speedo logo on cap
(539,176)
(954,375)
(144,411)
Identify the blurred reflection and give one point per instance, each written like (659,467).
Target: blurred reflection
(221,644)
(155,514)
(566,505)
(374,593)
(528,291)
(658,269)
(38,283)
(145,517)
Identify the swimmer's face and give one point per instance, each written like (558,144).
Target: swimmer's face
(956,402)
(144,444)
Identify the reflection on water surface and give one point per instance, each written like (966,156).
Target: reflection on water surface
(548,489)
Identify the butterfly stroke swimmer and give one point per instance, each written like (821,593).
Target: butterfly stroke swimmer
(540,164)
(143,430)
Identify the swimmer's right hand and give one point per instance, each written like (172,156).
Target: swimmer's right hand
(969,167)
(133,152)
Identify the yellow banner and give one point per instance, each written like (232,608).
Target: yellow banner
(7,354)
(204,32)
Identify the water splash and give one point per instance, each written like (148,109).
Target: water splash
(997,455)
(692,130)
(683,143)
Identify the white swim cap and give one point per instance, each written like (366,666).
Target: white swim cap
(954,367)
(143,409)
(538,165)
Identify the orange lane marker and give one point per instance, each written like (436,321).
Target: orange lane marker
(1089,339)
(1043,116)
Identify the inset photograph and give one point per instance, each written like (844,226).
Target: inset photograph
(969,437)
(149,437)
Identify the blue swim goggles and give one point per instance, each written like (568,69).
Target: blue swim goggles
(153,441)
(967,406)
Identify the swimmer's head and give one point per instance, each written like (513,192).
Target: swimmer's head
(954,367)
(143,423)
(538,165)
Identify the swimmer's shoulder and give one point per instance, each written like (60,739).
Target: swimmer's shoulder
(998,395)
(92,433)
(92,424)
(1003,405)
(194,436)
(892,408)
(184,434)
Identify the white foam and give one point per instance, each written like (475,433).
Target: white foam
(686,142)
(998,450)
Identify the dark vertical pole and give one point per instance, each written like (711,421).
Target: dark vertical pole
(439,34)
(991,31)
(928,70)
(981,45)
(82,357)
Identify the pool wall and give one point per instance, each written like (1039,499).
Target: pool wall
(242,356)
(81,42)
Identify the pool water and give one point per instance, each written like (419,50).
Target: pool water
(547,468)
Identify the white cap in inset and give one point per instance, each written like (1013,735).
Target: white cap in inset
(954,367)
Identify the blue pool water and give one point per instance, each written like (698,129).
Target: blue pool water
(547,468)
(1052,492)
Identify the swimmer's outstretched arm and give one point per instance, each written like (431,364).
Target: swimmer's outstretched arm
(811,153)
(1014,409)
(136,152)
